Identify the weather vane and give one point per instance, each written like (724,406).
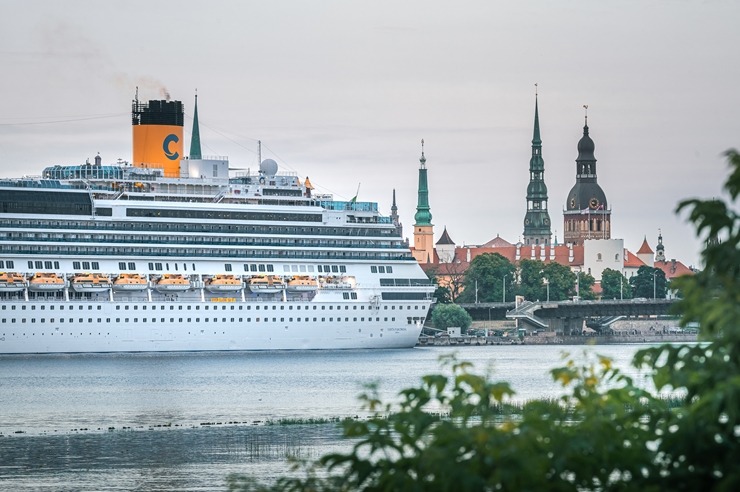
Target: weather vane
(585,106)
(535,89)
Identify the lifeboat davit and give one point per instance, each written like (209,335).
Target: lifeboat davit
(91,282)
(267,284)
(302,284)
(12,282)
(46,282)
(129,282)
(172,283)
(224,283)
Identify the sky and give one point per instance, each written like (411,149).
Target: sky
(343,92)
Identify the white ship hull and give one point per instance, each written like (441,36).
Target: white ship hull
(167,328)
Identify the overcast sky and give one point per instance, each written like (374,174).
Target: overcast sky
(344,91)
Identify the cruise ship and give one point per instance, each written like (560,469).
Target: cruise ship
(172,253)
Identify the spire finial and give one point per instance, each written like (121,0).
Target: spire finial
(423,159)
(585,107)
(535,89)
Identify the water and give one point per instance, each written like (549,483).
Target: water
(185,421)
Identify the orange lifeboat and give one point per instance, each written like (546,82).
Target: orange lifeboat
(224,283)
(129,282)
(302,283)
(267,284)
(46,282)
(12,282)
(91,282)
(172,283)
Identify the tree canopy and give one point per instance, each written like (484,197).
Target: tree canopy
(643,284)
(455,430)
(614,285)
(488,273)
(447,315)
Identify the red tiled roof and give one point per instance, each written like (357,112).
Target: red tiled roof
(632,261)
(644,248)
(673,269)
(497,242)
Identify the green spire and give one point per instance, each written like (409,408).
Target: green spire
(195,152)
(537,218)
(423,216)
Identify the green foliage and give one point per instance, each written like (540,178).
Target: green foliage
(447,315)
(642,283)
(562,281)
(585,285)
(614,285)
(452,432)
(488,272)
(532,280)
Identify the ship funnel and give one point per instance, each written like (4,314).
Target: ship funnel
(158,141)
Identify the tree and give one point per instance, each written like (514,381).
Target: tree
(642,283)
(614,285)
(447,315)
(532,280)
(585,286)
(455,430)
(488,273)
(562,281)
(449,276)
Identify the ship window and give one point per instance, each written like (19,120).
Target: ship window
(334,268)
(95,265)
(176,267)
(381,269)
(227,267)
(47,265)
(252,268)
(85,265)
(38,264)
(30,264)
(262,268)
(151,266)
(121,265)
(373,269)
(270,268)
(389,269)
(193,266)
(131,265)
(158,266)
(303,268)
(320,269)
(342,268)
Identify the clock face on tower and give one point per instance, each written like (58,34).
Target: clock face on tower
(526,221)
(572,202)
(546,221)
(593,203)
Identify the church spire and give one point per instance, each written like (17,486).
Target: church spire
(537,219)
(195,152)
(423,215)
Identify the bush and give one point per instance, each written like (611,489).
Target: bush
(452,432)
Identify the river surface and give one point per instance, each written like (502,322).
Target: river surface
(185,421)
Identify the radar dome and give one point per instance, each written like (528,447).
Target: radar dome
(269,167)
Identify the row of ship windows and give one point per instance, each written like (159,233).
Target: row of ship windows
(7,264)
(174,251)
(199,227)
(198,240)
(135,307)
(190,320)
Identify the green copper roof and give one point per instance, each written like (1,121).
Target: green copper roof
(537,218)
(195,152)
(423,215)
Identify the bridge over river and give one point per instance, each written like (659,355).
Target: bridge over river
(567,317)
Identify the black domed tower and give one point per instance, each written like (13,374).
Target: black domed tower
(587,214)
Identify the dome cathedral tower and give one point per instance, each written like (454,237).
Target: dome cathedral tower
(587,214)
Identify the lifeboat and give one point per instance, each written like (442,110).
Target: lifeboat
(172,283)
(224,283)
(337,282)
(12,282)
(129,282)
(267,284)
(302,284)
(46,282)
(90,282)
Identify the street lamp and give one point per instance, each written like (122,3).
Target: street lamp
(547,284)
(503,280)
(655,272)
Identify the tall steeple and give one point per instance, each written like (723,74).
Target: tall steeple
(423,228)
(587,214)
(395,219)
(195,152)
(537,219)
(423,215)
(660,249)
